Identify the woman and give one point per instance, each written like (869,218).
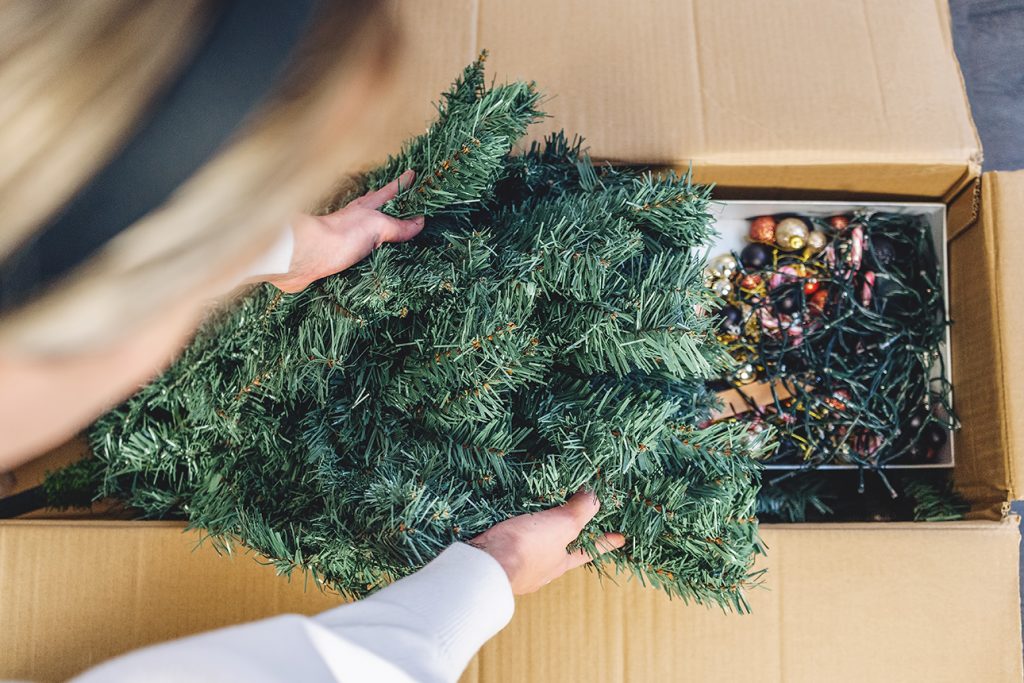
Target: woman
(155,155)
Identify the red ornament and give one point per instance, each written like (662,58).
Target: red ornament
(818,301)
(811,286)
(750,282)
(839,223)
(762,229)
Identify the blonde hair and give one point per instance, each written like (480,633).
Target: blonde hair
(78,76)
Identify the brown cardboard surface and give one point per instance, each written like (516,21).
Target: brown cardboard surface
(33,472)
(980,474)
(753,95)
(76,593)
(868,602)
(873,602)
(963,209)
(1003,205)
(987,327)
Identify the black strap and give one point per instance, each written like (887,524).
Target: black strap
(242,57)
(22,503)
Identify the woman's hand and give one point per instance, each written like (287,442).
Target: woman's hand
(531,548)
(325,245)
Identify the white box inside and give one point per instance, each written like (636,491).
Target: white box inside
(732,221)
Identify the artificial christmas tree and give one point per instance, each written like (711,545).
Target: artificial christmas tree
(548,330)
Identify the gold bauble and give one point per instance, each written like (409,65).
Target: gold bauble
(817,240)
(745,374)
(709,277)
(791,234)
(724,265)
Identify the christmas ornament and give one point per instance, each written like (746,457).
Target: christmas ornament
(788,304)
(709,277)
(934,436)
(916,421)
(838,400)
(882,253)
(817,240)
(732,317)
(756,256)
(839,223)
(762,229)
(722,287)
(853,253)
(723,266)
(791,234)
(818,301)
(745,374)
(889,295)
(867,289)
(783,276)
(811,286)
(751,282)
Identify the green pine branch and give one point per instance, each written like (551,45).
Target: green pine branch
(546,331)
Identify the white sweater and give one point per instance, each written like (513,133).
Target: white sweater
(425,627)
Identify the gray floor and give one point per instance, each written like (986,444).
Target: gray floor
(989,40)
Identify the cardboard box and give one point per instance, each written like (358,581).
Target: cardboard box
(846,99)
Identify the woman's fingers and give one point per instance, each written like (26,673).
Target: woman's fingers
(574,514)
(378,198)
(400,230)
(605,543)
(582,507)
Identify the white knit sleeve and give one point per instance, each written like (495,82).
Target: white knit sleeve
(424,628)
(432,623)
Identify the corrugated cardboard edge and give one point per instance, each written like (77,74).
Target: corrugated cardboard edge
(964,208)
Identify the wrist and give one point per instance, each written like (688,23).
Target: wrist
(297,274)
(275,265)
(504,551)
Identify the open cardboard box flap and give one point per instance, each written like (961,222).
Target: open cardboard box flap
(901,602)
(1002,208)
(857,99)
(985,262)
